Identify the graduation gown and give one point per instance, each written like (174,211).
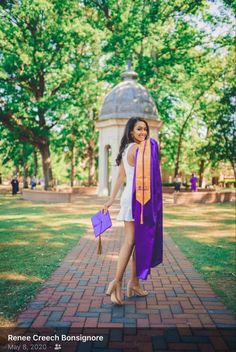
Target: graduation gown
(147,208)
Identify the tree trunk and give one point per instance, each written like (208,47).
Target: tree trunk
(201,171)
(233,167)
(35,163)
(72,165)
(18,170)
(47,169)
(181,134)
(178,154)
(25,180)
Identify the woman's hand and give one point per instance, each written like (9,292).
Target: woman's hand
(107,205)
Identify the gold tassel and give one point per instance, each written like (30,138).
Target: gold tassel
(100,245)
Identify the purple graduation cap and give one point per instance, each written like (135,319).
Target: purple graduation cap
(101,222)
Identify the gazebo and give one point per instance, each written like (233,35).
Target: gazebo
(127,99)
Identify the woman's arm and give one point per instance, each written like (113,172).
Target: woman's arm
(118,183)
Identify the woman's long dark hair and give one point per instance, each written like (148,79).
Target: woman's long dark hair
(127,138)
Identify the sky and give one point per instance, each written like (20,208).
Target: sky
(218,8)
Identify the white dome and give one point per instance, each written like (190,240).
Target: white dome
(128,99)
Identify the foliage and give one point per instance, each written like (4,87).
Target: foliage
(179,50)
(59,58)
(47,49)
(19,154)
(221,145)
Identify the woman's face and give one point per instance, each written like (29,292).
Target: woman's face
(139,132)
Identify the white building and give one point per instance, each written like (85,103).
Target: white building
(127,99)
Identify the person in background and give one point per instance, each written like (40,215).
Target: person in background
(33,183)
(42,181)
(15,185)
(177,182)
(193,182)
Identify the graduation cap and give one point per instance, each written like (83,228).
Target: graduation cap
(101,222)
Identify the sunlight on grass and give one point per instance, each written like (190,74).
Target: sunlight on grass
(206,235)
(14,243)
(212,269)
(18,277)
(56,244)
(213,238)
(34,239)
(7,323)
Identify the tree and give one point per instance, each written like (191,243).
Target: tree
(78,138)
(46,48)
(57,57)
(20,154)
(221,145)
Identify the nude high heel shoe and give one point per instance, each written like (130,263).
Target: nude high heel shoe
(114,290)
(135,290)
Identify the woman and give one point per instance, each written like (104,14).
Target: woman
(135,135)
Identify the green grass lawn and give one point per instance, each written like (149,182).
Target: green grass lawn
(34,238)
(206,235)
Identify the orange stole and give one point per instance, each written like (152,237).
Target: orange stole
(143,180)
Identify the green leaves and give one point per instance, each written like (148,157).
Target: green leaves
(59,58)
(47,52)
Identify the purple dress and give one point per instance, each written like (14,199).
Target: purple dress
(149,235)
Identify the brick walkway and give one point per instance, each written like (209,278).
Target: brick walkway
(74,296)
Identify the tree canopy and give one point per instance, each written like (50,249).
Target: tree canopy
(58,59)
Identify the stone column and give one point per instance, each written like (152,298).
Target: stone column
(102,174)
(115,168)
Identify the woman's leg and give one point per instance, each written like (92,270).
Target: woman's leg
(134,279)
(126,250)
(133,287)
(114,288)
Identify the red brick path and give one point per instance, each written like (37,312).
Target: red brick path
(74,296)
